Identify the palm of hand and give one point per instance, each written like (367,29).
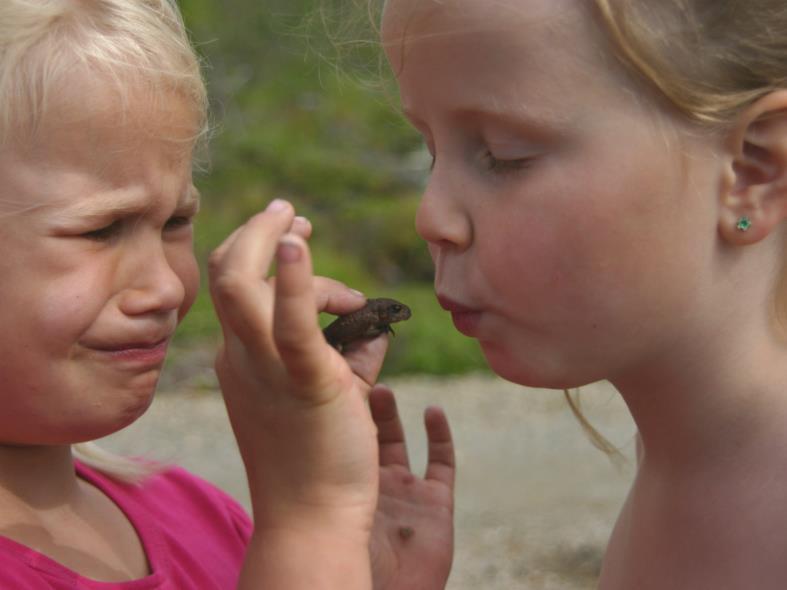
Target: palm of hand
(412,537)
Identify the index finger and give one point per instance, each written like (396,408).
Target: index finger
(253,249)
(239,268)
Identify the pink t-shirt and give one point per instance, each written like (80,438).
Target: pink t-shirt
(194,535)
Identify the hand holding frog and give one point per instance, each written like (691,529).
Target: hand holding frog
(297,406)
(315,455)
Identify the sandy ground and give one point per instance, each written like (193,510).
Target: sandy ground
(535,501)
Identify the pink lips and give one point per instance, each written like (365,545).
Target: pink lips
(146,354)
(465,318)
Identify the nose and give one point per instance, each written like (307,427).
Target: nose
(443,219)
(153,284)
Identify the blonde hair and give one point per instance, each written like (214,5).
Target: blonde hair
(710,60)
(125,469)
(128,42)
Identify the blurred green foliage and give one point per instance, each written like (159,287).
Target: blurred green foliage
(296,116)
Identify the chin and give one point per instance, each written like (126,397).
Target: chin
(120,410)
(134,407)
(537,372)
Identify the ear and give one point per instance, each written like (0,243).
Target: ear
(754,199)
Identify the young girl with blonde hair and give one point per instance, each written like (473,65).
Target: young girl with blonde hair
(607,201)
(101,108)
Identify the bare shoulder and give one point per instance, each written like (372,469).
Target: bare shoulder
(687,536)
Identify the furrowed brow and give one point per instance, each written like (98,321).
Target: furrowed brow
(102,206)
(119,204)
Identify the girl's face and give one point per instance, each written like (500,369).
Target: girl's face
(97,265)
(571,231)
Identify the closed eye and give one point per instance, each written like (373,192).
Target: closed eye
(496,165)
(499,166)
(178,221)
(103,234)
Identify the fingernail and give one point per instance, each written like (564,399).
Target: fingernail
(357,293)
(302,221)
(288,251)
(277,205)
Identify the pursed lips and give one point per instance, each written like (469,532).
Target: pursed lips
(466,319)
(449,304)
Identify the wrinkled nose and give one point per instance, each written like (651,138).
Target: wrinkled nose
(154,286)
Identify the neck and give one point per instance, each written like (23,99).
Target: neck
(726,402)
(39,477)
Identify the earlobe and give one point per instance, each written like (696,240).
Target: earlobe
(755,194)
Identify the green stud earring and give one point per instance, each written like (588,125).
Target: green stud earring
(744,223)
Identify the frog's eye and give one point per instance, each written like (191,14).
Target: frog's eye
(396,308)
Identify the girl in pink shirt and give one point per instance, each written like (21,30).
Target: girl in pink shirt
(101,107)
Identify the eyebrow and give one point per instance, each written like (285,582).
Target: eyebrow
(517,120)
(121,203)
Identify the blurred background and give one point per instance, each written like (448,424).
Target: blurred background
(303,109)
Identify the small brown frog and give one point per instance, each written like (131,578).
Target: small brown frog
(371,320)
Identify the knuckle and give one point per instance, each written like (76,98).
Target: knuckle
(226,286)
(289,343)
(214,262)
(300,354)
